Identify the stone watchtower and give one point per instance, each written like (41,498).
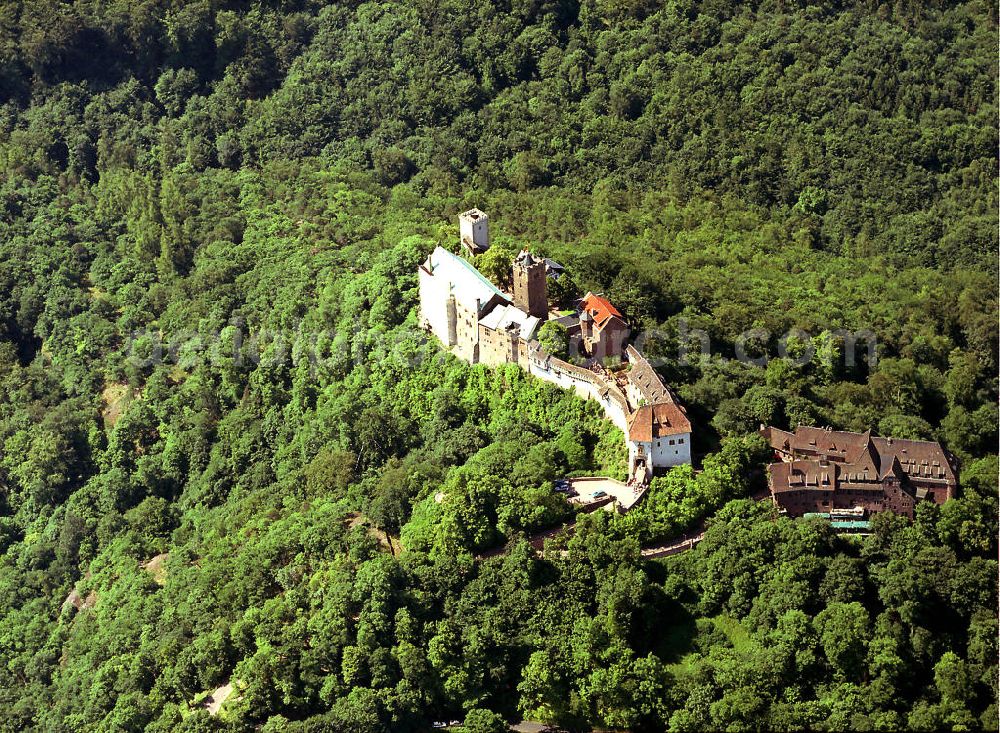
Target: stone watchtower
(529,285)
(474,231)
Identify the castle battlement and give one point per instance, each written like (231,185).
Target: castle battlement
(474,231)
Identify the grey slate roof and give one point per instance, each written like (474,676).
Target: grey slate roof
(504,316)
(645,378)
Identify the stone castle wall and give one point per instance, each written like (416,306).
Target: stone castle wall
(583,381)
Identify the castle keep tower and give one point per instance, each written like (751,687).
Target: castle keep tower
(474,231)
(529,285)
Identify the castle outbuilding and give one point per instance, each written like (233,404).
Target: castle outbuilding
(603,330)
(659,435)
(503,335)
(659,430)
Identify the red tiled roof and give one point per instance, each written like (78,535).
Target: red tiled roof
(778,439)
(837,444)
(799,475)
(825,460)
(600,309)
(919,459)
(656,421)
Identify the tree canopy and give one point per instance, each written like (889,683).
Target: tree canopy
(230,457)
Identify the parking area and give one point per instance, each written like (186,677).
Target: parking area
(597,491)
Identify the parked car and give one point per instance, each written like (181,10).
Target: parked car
(599,494)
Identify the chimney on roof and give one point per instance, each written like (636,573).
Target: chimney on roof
(586,321)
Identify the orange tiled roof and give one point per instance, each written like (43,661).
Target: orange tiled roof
(656,421)
(600,309)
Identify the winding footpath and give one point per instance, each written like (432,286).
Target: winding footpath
(685,542)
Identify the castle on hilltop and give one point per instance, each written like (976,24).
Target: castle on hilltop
(480,323)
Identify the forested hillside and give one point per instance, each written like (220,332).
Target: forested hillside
(228,454)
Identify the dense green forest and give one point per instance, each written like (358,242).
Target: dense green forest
(228,454)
